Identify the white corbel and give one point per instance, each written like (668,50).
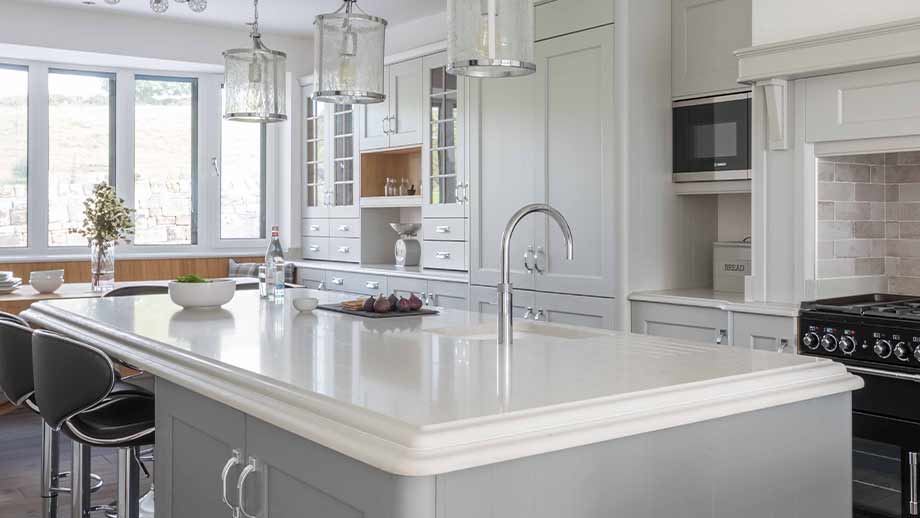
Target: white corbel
(774,93)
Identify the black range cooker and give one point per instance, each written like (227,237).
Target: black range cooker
(878,338)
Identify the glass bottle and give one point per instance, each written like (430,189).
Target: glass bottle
(404,187)
(274,265)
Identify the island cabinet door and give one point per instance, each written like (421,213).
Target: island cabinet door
(684,322)
(196,442)
(573,310)
(485,300)
(764,332)
(296,478)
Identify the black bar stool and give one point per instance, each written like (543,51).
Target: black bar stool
(79,393)
(17,383)
(132,291)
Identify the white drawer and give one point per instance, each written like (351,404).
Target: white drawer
(345,249)
(444,229)
(316,248)
(359,283)
(444,255)
(315,227)
(310,274)
(404,286)
(345,227)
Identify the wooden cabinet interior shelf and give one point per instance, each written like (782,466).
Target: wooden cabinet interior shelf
(395,163)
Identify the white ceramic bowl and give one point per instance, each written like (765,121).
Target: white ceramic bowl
(202,295)
(47,274)
(46,285)
(305,304)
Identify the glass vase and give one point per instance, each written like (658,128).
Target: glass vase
(102,265)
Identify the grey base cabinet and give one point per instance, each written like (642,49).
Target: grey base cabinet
(575,310)
(729,467)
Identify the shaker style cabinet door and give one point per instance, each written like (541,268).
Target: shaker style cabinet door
(575,310)
(764,332)
(374,119)
(444,151)
(342,180)
(405,99)
(703,325)
(190,462)
(484,300)
(704,36)
(575,114)
(316,194)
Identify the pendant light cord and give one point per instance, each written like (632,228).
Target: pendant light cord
(255,20)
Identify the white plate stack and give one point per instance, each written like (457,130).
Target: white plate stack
(8,283)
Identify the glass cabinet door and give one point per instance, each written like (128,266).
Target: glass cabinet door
(445,189)
(316,196)
(343,186)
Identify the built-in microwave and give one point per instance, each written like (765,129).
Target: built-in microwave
(712,138)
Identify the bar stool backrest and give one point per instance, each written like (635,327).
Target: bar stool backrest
(131,291)
(16,361)
(70,377)
(14,318)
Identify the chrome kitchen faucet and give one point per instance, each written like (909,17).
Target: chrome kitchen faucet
(505,291)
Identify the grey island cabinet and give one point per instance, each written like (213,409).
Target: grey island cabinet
(266,412)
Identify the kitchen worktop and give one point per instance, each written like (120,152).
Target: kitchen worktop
(389,270)
(724,300)
(415,396)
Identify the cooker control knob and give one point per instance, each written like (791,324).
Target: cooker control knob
(882,348)
(902,352)
(847,345)
(917,354)
(811,341)
(829,343)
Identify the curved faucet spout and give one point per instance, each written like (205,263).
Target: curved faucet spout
(504,289)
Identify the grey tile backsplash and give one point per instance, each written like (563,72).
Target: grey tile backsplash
(869,218)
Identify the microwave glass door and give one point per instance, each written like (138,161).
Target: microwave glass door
(712,135)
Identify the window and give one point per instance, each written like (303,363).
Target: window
(14,155)
(81,147)
(165,160)
(242,180)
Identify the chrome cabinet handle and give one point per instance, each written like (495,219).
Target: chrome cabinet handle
(386,125)
(526,264)
(458,198)
(427,299)
(536,260)
(466,192)
(235,460)
(314,228)
(344,249)
(528,313)
(442,229)
(241,484)
(783,345)
(723,336)
(215,165)
(541,315)
(321,285)
(393,124)
(442,255)
(314,248)
(344,228)
(372,285)
(913,504)
(338,281)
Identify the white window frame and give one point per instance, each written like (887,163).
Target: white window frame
(209,130)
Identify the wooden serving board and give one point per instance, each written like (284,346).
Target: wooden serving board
(392,314)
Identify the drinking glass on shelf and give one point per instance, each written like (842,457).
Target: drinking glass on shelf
(404,187)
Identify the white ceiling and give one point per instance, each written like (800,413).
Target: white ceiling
(293,17)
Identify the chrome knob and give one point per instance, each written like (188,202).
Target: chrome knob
(882,349)
(829,343)
(810,341)
(917,354)
(902,352)
(847,345)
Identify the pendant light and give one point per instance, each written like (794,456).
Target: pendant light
(349,56)
(254,80)
(490,38)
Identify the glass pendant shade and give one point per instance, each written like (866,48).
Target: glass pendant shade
(490,38)
(349,57)
(254,84)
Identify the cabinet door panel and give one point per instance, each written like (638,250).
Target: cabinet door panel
(764,332)
(576,174)
(503,158)
(705,34)
(683,322)
(195,438)
(485,300)
(405,99)
(372,121)
(404,287)
(577,311)
(449,295)
(444,149)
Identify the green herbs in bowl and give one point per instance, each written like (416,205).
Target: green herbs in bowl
(191,279)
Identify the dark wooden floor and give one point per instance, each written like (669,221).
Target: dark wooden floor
(20,459)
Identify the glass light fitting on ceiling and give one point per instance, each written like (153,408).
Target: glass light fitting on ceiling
(161,6)
(490,38)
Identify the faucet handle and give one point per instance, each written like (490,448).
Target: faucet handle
(528,313)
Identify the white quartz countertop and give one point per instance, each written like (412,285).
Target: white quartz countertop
(411,397)
(726,301)
(389,270)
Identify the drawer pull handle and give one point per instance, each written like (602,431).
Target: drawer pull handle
(442,255)
(235,460)
(783,345)
(314,228)
(372,285)
(241,484)
(338,281)
(344,249)
(344,228)
(442,229)
(314,248)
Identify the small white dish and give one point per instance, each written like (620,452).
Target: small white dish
(305,304)
(47,274)
(46,285)
(211,294)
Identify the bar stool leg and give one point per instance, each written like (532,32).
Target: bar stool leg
(80,481)
(128,484)
(50,471)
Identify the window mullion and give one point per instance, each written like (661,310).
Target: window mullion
(38,159)
(124,138)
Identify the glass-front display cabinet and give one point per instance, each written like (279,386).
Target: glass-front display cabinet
(446,190)
(330,165)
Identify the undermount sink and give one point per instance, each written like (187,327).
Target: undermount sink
(488,331)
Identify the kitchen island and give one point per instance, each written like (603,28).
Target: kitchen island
(329,415)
